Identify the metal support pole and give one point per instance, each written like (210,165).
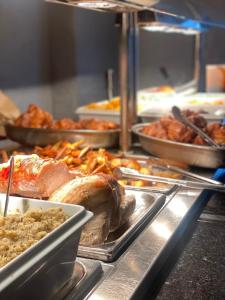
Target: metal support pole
(128,76)
(200,65)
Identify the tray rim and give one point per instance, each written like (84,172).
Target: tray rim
(136,129)
(58,131)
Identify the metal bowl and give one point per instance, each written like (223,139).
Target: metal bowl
(43,137)
(195,155)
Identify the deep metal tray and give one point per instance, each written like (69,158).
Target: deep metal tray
(147,205)
(28,272)
(43,137)
(195,155)
(86,274)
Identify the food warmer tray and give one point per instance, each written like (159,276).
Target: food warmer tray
(195,155)
(85,113)
(45,136)
(147,205)
(29,271)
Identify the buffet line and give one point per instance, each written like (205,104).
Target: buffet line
(84,218)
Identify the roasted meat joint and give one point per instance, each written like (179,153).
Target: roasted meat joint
(112,150)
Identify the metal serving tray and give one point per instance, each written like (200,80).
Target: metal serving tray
(87,273)
(147,205)
(86,113)
(43,137)
(195,155)
(26,276)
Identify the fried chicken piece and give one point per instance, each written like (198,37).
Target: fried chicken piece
(199,141)
(179,132)
(165,121)
(217,132)
(34,117)
(195,118)
(94,124)
(155,129)
(66,124)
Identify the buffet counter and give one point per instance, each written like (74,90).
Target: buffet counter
(141,268)
(134,273)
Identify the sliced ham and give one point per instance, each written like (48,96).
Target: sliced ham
(34,177)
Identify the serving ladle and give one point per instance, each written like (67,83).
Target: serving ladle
(178,115)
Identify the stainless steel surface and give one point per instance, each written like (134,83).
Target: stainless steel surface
(11,169)
(154,22)
(108,5)
(220,112)
(201,156)
(151,189)
(43,137)
(86,274)
(134,174)
(178,115)
(135,269)
(29,270)
(147,205)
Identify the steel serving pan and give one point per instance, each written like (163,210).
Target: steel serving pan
(43,137)
(87,113)
(195,155)
(26,276)
(147,205)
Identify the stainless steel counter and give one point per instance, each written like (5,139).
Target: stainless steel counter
(145,256)
(134,271)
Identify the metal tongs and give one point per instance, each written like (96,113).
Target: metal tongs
(133,174)
(168,167)
(178,115)
(11,169)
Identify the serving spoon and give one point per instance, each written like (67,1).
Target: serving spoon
(178,115)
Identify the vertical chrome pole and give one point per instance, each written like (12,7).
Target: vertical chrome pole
(202,62)
(196,59)
(199,69)
(134,34)
(124,93)
(128,76)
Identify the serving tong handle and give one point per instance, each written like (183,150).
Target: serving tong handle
(11,169)
(178,115)
(187,173)
(133,174)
